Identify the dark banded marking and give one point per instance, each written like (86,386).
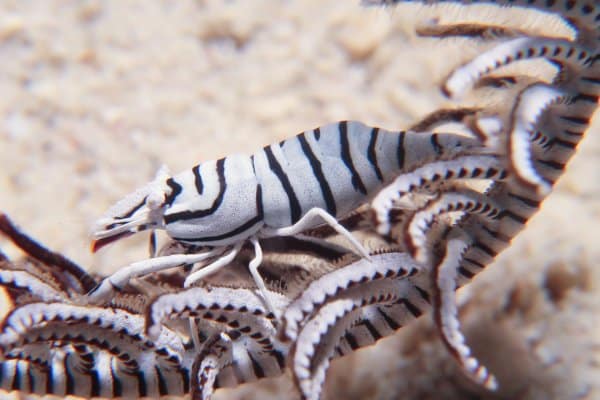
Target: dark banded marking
(574,119)
(183,215)
(279,357)
(436,144)
(275,167)
(69,378)
(586,98)
(485,248)
(400,150)
(372,153)
(465,272)
(563,143)
(241,228)
(575,134)
(185,376)
(317,170)
(117,384)
(49,382)
(525,200)
(198,179)
(499,236)
(389,320)
(163,388)
(347,157)
(591,79)
(372,330)
(414,310)
(569,4)
(474,262)
(552,164)
(175,190)
(256,367)
(587,9)
(16,381)
(130,212)
(351,341)
(513,216)
(142,385)
(423,293)
(31,376)
(95,383)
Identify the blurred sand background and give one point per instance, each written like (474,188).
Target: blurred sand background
(96,95)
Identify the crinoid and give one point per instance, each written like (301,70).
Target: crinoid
(453,204)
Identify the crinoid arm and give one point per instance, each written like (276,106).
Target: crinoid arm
(521,48)
(215,355)
(239,309)
(528,107)
(468,167)
(472,30)
(417,235)
(336,321)
(318,292)
(57,264)
(445,313)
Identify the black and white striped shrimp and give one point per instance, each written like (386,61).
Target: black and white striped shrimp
(283,189)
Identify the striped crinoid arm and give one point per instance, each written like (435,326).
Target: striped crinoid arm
(582,15)
(476,167)
(418,235)
(355,315)
(565,124)
(228,359)
(538,116)
(250,362)
(445,312)
(23,282)
(564,52)
(551,114)
(529,105)
(476,30)
(345,281)
(90,375)
(238,310)
(128,351)
(34,370)
(240,344)
(209,362)
(104,353)
(116,331)
(51,266)
(468,247)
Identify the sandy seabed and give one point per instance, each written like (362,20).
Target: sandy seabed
(96,95)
